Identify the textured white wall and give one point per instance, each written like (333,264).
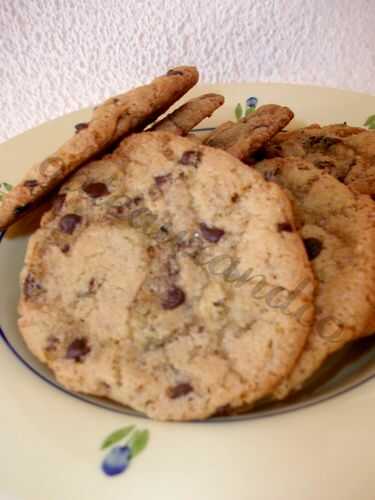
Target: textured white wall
(59,55)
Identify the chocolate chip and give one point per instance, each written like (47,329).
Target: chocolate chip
(78,349)
(173,298)
(32,183)
(285,226)
(151,252)
(52,343)
(191,158)
(324,165)
(59,202)
(65,248)
(313,140)
(68,223)
(93,285)
(321,142)
(179,390)
(162,179)
(20,209)
(31,288)
(136,201)
(372,196)
(211,234)
(313,247)
(250,162)
(270,175)
(272,151)
(80,126)
(116,100)
(173,72)
(234,198)
(224,411)
(331,141)
(117,211)
(96,189)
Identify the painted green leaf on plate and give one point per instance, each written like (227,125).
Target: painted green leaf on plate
(249,110)
(370,122)
(5,187)
(238,111)
(138,442)
(116,436)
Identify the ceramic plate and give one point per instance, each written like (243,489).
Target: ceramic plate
(56,445)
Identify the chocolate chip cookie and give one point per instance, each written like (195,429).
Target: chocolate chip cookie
(347,153)
(161,279)
(111,121)
(338,230)
(187,116)
(361,176)
(242,139)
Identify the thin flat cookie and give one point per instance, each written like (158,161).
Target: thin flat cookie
(186,117)
(111,121)
(244,138)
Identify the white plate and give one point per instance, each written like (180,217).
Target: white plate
(50,439)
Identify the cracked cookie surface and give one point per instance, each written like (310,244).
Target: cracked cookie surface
(160,279)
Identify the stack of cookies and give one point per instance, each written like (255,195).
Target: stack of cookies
(187,278)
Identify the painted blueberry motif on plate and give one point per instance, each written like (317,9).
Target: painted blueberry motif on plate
(124,445)
(243,111)
(117,460)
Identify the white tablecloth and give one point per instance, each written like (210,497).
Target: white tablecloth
(59,55)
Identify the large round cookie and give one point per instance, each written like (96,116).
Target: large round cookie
(111,122)
(338,228)
(161,279)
